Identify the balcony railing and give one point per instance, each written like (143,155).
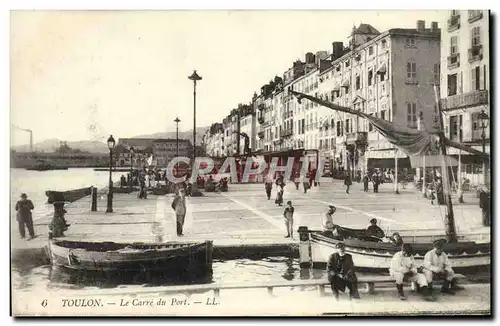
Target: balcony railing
(475,15)
(453,23)
(261,120)
(286,132)
(465,100)
(357,137)
(476,53)
(454,61)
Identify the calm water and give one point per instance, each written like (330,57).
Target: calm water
(35,183)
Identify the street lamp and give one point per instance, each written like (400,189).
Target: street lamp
(194,77)
(177,120)
(111,146)
(485,119)
(131,165)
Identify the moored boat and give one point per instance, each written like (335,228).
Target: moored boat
(46,167)
(67,196)
(192,259)
(371,255)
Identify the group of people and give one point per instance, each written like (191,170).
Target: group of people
(436,266)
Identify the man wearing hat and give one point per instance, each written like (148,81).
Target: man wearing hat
(341,273)
(179,206)
(374,230)
(403,268)
(24,217)
(328,225)
(437,265)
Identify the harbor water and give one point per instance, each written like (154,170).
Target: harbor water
(35,183)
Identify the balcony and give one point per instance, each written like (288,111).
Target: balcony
(453,23)
(475,15)
(454,61)
(475,53)
(261,107)
(261,120)
(357,137)
(260,134)
(286,132)
(465,100)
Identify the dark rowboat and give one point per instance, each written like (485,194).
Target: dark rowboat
(193,259)
(68,196)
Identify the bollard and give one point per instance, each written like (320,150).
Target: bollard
(304,247)
(93,207)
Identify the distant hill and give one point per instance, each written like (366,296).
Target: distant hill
(200,131)
(50,145)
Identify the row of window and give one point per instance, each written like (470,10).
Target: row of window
(456,127)
(475,40)
(477,79)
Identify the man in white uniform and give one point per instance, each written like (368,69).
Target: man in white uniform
(403,268)
(437,265)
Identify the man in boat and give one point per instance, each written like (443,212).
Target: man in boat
(328,225)
(437,265)
(341,273)
(374,230)
(24,217)
(58,224)
(396,239)
(179,206)
(403,268)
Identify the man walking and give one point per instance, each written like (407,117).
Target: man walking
(24,217)
(341,273)
(179,206)
(365,182)
(288,215)
(484,204)
(347,182)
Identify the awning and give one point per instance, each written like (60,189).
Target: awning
(389,163)
(346,83)
(382,69)
(432,161)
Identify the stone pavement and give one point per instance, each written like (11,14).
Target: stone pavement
(474,300)
(245,216)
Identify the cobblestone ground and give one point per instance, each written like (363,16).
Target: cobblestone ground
(245,215)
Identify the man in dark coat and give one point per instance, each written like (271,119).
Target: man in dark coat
(347,182)
(24,217)
(484,204)
(341,273)
(365,182)
(376,182)
(374,230)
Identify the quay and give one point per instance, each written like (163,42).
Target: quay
(243,223)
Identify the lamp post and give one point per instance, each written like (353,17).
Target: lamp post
(177,120)
(131,165)
(194,77)
(484,118)
(111,146)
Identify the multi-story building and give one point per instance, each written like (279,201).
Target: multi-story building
(143,148)
(214,140)
(164,150)
(465,75)
(390,75)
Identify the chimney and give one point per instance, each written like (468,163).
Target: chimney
(337,50)
(420,25)
(434,27)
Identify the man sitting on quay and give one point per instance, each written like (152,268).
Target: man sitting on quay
(403,268)
(437,266)
(341,273)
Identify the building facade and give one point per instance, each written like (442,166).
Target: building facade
(391,75)
(465,85)
(164,150)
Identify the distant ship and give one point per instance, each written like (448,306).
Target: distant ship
(46,167)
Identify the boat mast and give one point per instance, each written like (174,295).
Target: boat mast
(449,217)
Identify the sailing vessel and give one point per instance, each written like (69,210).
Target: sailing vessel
(369,253)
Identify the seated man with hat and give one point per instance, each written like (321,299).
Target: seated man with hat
(374,230)
(341,273)
(403,268)
(437,265)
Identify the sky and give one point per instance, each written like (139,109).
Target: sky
(83,75)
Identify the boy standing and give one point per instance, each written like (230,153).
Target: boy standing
(288,214)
